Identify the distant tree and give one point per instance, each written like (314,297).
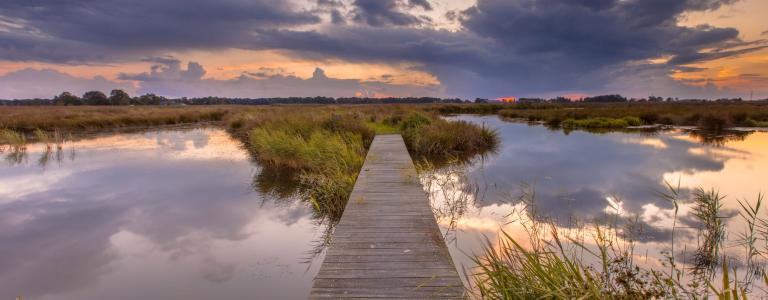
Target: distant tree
(481,100)
(530,100)
(66,98)
(605,99)
(560,99)
(149,99)
(95,98)
(119,97)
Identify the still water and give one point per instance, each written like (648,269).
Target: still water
(578,177)
(158,215)
(182,213)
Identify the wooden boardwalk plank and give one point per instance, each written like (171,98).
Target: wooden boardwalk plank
(387,244)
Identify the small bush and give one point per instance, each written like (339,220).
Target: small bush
(713,122)
(633,121)
(649,118)
(596,123)
(667,120)
(414,121)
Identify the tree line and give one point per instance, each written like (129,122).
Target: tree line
(119,97)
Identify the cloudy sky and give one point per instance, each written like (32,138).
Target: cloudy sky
(378,48)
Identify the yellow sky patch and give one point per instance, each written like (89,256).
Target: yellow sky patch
(748,16)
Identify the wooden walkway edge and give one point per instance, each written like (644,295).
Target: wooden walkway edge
(388,244)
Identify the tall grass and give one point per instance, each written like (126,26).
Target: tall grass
(560,265)
(601,122)
(72,119)
(16,141)
(442,141)
(327,162)
(707,207)
(325,148)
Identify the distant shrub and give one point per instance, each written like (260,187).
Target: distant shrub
(633,121)
(414,121)
(692,119)
(666,120)
(713,122)
(649,118)
(739,118)
(595,123)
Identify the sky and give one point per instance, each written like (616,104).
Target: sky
(380,48)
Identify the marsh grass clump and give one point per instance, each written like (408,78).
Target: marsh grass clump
(316,150)
(444,140)
(324,149)
(713,122)
(601,122)
(324,157)
(15,140)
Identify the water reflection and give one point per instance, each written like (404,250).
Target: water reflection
(126,209)
(584,178)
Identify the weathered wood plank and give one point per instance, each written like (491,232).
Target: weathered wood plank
(387,244)
(389,283)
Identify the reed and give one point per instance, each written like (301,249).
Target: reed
(15,140)
(561,265)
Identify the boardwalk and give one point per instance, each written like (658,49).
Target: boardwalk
(387,244)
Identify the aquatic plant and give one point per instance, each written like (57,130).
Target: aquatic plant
(601,122)
(706,209)
(16,141)
(442,140)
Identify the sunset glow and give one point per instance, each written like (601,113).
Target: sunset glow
(393,48)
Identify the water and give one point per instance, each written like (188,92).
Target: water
(580,177)
(186,214)
(165,214)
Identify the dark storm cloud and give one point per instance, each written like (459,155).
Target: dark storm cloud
(528,46)
(420,3)
(135,25)
(522,47)
(18,46)
(387,12)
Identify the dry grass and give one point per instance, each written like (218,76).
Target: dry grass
(710,116)
(69,119)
